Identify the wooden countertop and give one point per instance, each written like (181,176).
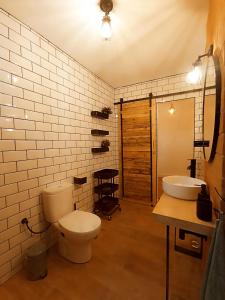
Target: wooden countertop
(181,213)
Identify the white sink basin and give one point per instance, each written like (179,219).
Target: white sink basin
(182,187)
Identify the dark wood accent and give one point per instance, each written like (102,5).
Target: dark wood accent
(98,132)
(201,143)
(121,140)
(79,181)
(150,138)
(99,115)
(99,150)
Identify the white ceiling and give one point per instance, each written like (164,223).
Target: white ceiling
(151,38)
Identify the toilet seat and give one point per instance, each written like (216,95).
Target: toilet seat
(80,224)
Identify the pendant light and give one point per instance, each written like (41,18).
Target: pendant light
(106,30)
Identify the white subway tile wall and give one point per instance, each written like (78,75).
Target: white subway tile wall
(46,99)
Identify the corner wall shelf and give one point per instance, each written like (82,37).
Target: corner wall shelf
(99,115)
(98,132)
(99,150)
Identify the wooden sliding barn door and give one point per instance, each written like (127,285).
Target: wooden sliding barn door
(136,151)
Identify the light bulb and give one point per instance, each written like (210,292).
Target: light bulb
(195,75)
(106,27)
(171,110)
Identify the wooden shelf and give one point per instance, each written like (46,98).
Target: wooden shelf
(79,181)
(99,150)
(98,132)
(99,115)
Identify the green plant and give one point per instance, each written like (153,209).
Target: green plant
(107,110)
(105,143)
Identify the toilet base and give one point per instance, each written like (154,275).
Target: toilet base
(75,251)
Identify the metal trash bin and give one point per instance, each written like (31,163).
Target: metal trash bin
(36,261)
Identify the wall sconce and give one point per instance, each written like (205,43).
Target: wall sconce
(195,75)
(106,6)
(171,110)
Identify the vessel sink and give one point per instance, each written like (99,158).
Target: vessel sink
(182,187)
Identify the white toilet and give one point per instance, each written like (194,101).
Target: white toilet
(77,228)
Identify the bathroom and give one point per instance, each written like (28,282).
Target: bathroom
(57,73)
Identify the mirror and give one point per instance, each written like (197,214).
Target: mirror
(211,107)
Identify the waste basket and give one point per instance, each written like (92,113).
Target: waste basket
(36,262)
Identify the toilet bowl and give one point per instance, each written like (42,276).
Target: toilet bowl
(76,228)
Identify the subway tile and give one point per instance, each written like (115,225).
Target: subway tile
(2,202)
(50,101)
(33,115)
(39,51)
(24,124)
(50,119)
(15,177)
(18,239)
(33,96)
(41,89)
(40,71)
(7,145)
(12,112)
(29,35)
(3,226)
(10,90)
(4,247)
(45,162)
(20,61)
(34,173)
(29,203)
(47,65)
(44,144)
(25,145)
(7,212)
(9,189)
(43,126)
(5,76)
(6,122)
(13,134)
(9,22)
(42,108)
(51,152)
(30,56)
(51,135)
(45,179)
(7,167)
(26,165)
(48,83)
(16,198)
(4,53)
(14,155)
(34,135)
(17,38)
(34,154)
(21,82)
(10,45)
(27,184)
(14,220)
(22,103)
(31,76)
(56,78)
(48,47)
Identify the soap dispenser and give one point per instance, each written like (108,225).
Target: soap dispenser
(204,205)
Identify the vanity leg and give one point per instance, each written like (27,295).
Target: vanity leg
(167,260)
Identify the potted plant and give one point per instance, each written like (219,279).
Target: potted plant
(105,144)
(107,111)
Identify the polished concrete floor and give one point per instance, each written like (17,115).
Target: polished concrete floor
(128,264)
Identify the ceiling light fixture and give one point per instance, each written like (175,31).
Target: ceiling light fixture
(195,75)
(106,6)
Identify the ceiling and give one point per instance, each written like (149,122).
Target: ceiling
(151,39)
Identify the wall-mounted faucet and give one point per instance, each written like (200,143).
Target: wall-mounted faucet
(192,167)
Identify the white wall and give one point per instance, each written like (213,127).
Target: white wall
(46,99)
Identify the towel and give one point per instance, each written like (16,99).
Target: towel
(214,281)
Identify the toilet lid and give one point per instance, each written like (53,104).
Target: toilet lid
(80,221)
